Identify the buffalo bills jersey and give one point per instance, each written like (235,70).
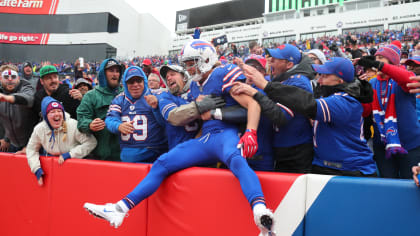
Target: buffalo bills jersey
(148,132)
(176,134)
(298,130)
(218,83)
(338,136)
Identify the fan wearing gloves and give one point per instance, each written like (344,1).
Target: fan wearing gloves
(397,130)
(58,135)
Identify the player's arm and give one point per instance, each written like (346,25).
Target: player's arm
(253,107)
(184,114)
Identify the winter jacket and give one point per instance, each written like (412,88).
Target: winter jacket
(17,119)
(94,105)
(77,144)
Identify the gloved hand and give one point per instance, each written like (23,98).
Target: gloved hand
(209,103)
(369,62)
(394,150)
(248,143)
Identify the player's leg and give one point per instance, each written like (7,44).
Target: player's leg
(185,155)
(250,184)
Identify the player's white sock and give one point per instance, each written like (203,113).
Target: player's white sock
(121,205)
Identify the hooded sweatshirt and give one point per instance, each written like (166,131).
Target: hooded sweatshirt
(17,119)
(67,140)
(95,104)
(148,123)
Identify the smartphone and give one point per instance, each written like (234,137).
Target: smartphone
(81,62)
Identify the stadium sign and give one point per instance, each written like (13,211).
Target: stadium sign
(29,6)
(23,38)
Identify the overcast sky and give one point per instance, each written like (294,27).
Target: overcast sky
(165,10)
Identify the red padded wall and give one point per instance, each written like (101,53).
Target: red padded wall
(207,202)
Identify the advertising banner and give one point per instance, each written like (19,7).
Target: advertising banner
(23,38)
(36,7)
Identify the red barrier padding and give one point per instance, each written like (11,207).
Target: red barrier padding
(24,205)
(208,202)
(79,181)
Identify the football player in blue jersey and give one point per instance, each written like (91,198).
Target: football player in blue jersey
(339,145)
(181,116)
(142,136)
(199,58)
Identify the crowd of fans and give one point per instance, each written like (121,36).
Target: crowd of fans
(91,97)
(339,106)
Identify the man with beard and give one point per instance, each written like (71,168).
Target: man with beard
(16,98)
(70,98)
(27,74)
(339,145)
(92,111)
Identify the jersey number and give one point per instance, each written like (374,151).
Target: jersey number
(140,126)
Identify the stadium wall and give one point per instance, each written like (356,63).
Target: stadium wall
(199,201)
(131,39)
(333,23)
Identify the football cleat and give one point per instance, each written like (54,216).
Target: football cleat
(109,212)
(264,219)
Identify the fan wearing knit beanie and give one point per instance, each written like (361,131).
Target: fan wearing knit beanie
(397,130)
(58,135)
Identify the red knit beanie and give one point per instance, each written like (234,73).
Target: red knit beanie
(390,52)
(397,43)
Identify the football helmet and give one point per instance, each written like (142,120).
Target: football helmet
(204,55)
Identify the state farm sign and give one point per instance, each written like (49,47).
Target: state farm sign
(29,6)
(23,38)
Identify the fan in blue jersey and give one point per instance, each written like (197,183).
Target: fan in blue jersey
(339,145)
(218,142)
(142,136)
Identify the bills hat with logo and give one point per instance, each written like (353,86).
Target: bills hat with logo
(286,52)
(341,67)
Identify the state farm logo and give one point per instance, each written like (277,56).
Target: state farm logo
(22,3)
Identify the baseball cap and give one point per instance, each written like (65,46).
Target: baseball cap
(338,66)
(111,63)
(46,70)
(254,57)
(286,52)
(414,59)
(164,70)
(133,72)
(27,64)
(146,62)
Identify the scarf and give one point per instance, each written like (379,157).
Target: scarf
(385,116)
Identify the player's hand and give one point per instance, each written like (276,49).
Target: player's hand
(75,94)
(415,85)
(97,125)
(248,143)
(151,100)
(209,103)
(4,146)
(242,88)
(416,172)
(126,127)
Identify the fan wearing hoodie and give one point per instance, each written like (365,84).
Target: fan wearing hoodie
(339,145)
(58,135)
(92,111)
(141,127)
